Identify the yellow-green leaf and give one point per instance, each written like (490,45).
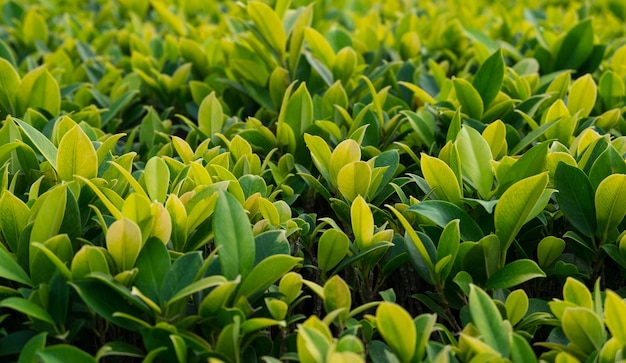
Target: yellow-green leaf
(76,156)
(582,96)
(269,25)
(362,223)
(614,317)
(354,179)
(441,179)
(38,90)
(9,81)
(123,241)
(516,205)
(397,329)
(610,206)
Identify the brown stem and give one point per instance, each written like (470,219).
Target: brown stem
(446,306)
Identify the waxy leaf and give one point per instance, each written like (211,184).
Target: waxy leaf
(576,198)
(362,223)
(549,249)
(76,156)
(28,308)
(211,116)
(266,273)
(583,328)
(515,206)
(337,296)
(331,249)
(443,213)
(475,156)
(41,142)
(582,96)
(156,177)
(9,80)
(394,324)
(614,316)
(123,241)
(469,98)
(353,180)
(38,90)
(576,47)
(233,235)
(441,179)
(487,319)
(513,274)
(11,270)
(488,79)
(610,206)
(269,26)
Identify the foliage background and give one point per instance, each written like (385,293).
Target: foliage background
(314,181)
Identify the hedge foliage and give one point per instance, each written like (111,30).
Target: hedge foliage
(327,181)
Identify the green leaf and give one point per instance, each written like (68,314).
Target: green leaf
(270,243)
(61,353)
(50,210)
(441,179)
(9,81)
(487,319)
(393,324)
(515,206)
(549,249)
(156,177)
(476,158)
(38,90)
(449,246)
(337,296)
(582,96)
(41,142)
(610,209)
(362,223)
(153,264)
(320,47)
(87,260)
(320,153)
(346,152)
(233,235)
(123,241)
(516,306)
(576,46)
(354,179)
(266,273)
(609,162)
(513,274)
(35,344)
(521,351)
(469,98)
(529,164)
(488,79)
(298,111)
(211,116)
(576,293)
(583,328)
(11,270)
(331,249)
(13,217)
(269,26)
(442,213)
(28,308)
(614,316)
(576,198)
(76,156)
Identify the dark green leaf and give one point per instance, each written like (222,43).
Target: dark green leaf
(233,235)
(513,274)
(576,198)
